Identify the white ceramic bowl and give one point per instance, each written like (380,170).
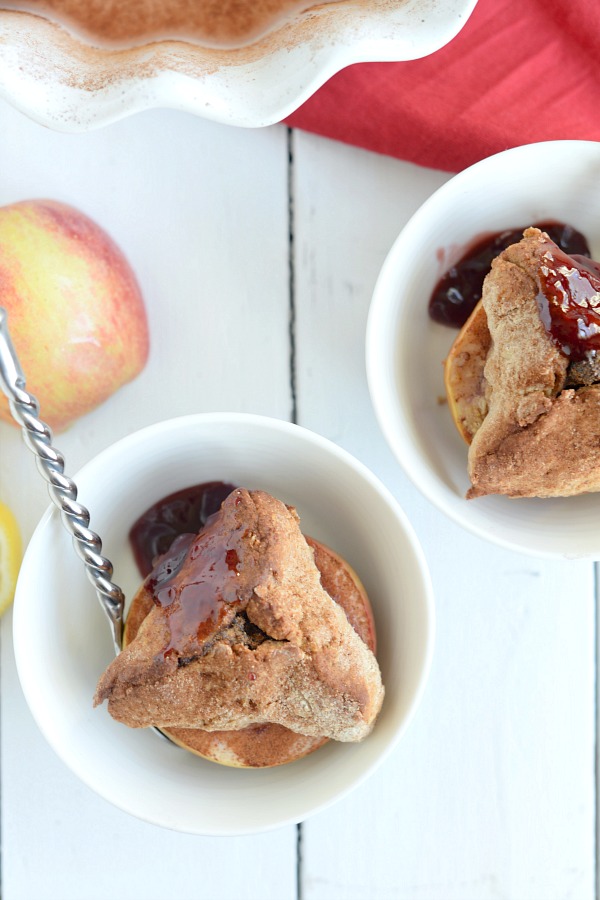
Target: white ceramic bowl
(62,640)
(64,82)
(557,180)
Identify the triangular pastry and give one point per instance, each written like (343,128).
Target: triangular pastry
(540,434)
(242,632)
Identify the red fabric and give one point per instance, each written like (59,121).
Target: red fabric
(519,71)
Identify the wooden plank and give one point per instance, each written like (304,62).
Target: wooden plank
(212,259)
(491,792)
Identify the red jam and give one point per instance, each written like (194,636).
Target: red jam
(194,577)
(184,512)
(569,301)
(200,589)
(459,290)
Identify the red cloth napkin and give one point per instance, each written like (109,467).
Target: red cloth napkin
(518,72)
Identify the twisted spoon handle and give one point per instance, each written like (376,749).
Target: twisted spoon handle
(63,491)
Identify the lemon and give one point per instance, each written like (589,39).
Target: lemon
(10,556)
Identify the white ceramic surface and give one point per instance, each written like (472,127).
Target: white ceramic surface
(62,641)
(63,82)
(557,180)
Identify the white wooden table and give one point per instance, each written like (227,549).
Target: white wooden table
(268,243)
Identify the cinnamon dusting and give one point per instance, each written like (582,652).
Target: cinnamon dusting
(215,23)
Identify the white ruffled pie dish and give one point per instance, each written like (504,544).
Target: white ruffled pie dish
(62,81)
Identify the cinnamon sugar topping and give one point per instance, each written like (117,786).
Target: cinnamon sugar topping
(214,23)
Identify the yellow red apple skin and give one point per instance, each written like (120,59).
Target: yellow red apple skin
(75,311)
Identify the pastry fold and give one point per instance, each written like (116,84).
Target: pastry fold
(243,633)
(540,436)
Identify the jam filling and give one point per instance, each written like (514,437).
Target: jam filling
(459,290)
(200,592)
(184,512)
(569,302)
(194,578)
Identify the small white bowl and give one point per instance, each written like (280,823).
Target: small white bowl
(62,81)
(62,639)
(405,350)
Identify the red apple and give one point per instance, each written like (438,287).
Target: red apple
(75,312)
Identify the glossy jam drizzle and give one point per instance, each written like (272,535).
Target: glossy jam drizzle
(194,580)
(202,591)
(459,290)
(569,301)
(184,512)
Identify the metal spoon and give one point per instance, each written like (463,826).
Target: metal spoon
(63,491)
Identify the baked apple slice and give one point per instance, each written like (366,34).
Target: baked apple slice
(463,374)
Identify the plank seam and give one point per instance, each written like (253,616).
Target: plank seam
(292,275)
(299,880)
(294,409)
(596,748)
